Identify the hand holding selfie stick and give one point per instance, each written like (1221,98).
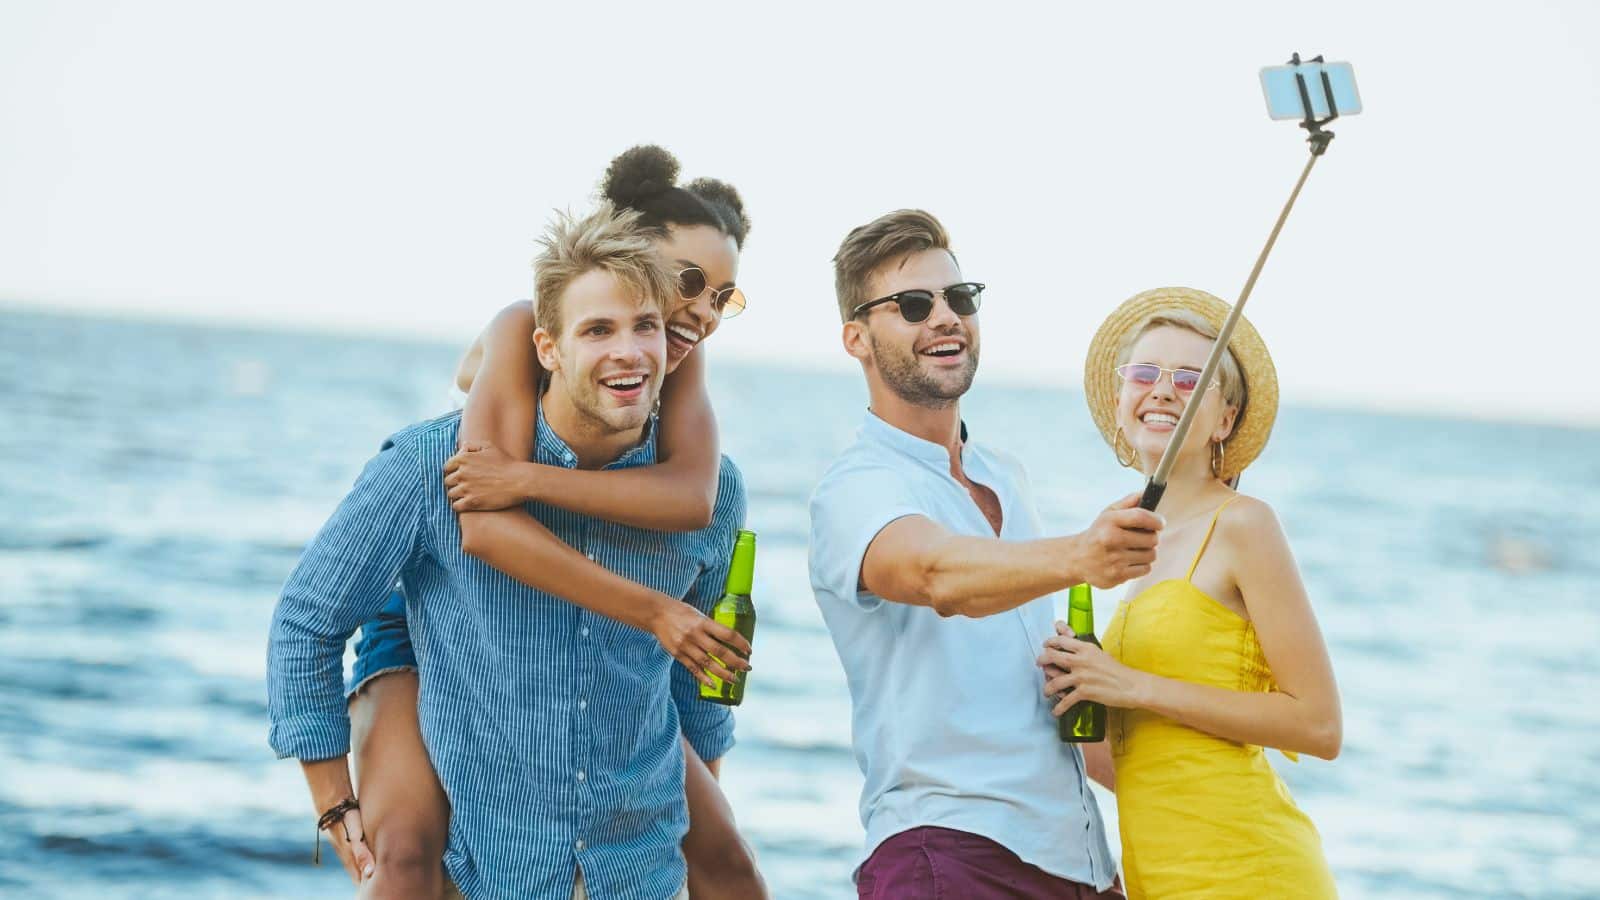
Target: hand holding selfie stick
(1319,139)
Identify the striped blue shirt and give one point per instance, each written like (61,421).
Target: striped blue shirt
(554,731)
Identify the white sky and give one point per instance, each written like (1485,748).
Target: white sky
(383,166)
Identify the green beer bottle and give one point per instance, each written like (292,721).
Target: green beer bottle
(1085,722)
(737,612)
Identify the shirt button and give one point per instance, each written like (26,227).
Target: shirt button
(590,555)
(583,704)
(584,631)
(578,845)
(581,776)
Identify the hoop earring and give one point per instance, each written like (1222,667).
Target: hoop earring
(1219,459)
(1116,447)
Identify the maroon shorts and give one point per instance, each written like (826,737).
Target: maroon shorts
(932,863)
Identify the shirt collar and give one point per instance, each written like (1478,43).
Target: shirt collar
(879,431)
(551,450)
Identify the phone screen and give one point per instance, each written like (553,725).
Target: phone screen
(1283,93)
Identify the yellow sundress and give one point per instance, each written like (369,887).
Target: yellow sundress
(1201,816)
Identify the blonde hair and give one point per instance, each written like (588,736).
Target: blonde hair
(1235,392)
(605,239)
(886,237)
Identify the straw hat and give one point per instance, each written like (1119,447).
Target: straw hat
(1101,384)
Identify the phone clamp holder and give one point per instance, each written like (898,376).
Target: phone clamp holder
(1317,137)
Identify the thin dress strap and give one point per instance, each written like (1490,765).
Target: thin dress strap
(1206,542)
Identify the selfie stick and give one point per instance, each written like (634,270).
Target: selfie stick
(1319,139)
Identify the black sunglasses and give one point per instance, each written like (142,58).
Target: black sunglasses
(917,305)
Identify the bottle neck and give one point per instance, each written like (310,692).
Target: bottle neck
(1081,621)
(1080,609)
(741,573)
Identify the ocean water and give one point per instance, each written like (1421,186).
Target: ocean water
(157,482)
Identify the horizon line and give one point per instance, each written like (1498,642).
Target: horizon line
(808,363)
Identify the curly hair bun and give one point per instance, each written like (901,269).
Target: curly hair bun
(717,192)
(723,194)
(638,174)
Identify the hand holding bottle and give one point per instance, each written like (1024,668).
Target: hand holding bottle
(1080,672)
(707,648)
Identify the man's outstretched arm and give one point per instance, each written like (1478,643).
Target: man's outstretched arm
(918,561)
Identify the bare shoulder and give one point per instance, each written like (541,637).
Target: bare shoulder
(1258,550)
(513,322)
(517,315)
(1250,529)
(1248,517)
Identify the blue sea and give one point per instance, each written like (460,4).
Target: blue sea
(158,480)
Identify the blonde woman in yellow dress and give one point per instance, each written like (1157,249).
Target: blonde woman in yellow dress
(1216,654)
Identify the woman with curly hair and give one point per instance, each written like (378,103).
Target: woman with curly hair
(700,227)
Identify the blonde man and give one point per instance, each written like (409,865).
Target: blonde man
(554,731)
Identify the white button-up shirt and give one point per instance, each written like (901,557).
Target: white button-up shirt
(949,722)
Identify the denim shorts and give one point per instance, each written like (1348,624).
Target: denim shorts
(384,646)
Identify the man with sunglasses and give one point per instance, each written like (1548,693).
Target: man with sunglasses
(931,571)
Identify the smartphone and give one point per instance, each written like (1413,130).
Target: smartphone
(1283,91)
